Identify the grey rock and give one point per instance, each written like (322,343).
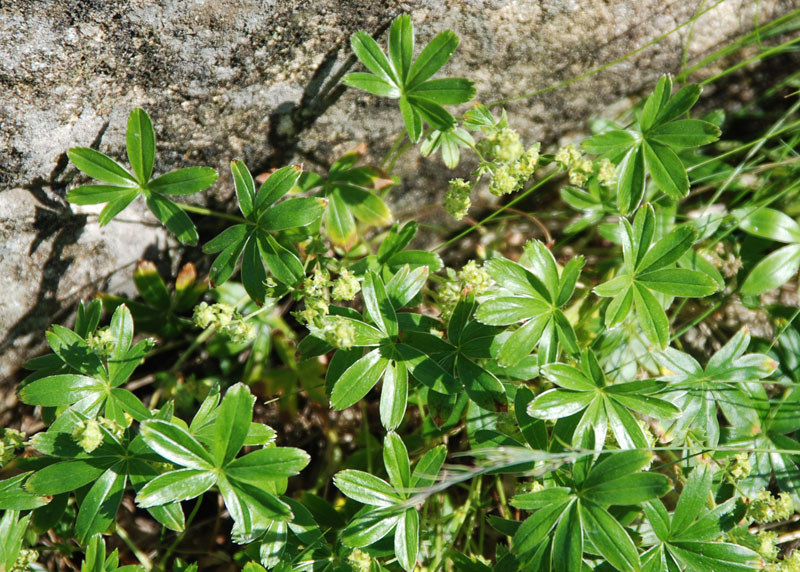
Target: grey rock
(254,80)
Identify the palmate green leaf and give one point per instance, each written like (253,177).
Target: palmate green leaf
(481,385)
(655,102)
(567,553)
(173,217)
(292,213)
(364,334)
(368,528)
(366,488)
(406,540)
(174,486)
(630,181)
(768,223)
(666,169)
(365,206)
(283,264)
(101,167)
(436,115)
(427,468)
(678,282)
(612,142)
(437,53)
(688,133)
(507,310)
(395,459)
(60,390)
(175,444)
(185,181)
(67,475)
(394,394)
(358,379)
(254,275)
(74,351)
(14,497)
(773,271)
(339,221)
(95,194)
(233,423)
(693,499)
(268,463)
(445,91)
(277,185)
(537,526)
(141,144)
(406,284)
(99,506)
(653,318)
(554,403)
(116,206)
(12,529)
(372,84)
(377,305)
(401,46)
(680,103)
(523,340)
(717,556)
(609,537)
(371,55)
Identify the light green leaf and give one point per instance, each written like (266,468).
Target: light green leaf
(95,194)
(184,181)
(507,310)
(370,54)
(401,45)
(568,540)
(630,180)
(652,317)
(445,91)
(557,403)
(609,537)
(667,250)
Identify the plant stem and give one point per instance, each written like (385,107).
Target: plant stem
(209,212)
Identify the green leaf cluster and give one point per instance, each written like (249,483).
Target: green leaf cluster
(120,187)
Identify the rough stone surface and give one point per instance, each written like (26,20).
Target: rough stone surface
(240,79)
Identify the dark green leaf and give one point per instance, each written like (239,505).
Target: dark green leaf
(62,389)
(372,84)
(630,181)
(370,54)
(99,506)
(184,181)
(365,488)
(277,184)
(258,467)
(394,395)
(445,91)
(245,187)
(406,540)
(678,282)
(666,169)
(395,459)
(401,45)
(609,537)
(768,223)
(680,103)
(233,422)
(180,485)
(95,194)
(175,444)
(668,250)
(614,141)
(652,317)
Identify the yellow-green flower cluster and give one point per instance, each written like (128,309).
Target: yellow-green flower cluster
(315,286)
(360,560)
(471,279)
(768,544)
(580,168)
(101,342)
(26,558)
(502,144)
(789,564)
(88,435)
(739,467)
(346,286)
(457,201)
(512,176)
(226,319)
(339,333)
(12,440)
(315,310)
(766,508)
(606,172)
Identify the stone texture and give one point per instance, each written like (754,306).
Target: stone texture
(253,80)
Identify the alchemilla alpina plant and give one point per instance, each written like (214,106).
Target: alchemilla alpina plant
(329,398)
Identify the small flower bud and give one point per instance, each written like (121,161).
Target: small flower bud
(101,342)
